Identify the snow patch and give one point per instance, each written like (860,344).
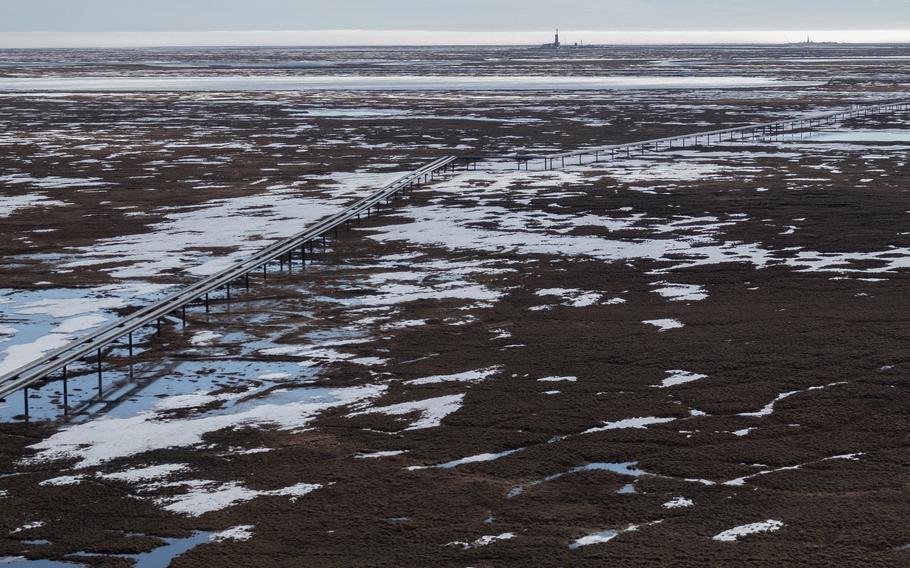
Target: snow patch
(736,533)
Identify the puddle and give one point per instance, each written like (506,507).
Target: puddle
(161,556)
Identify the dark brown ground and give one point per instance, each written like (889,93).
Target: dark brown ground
(760,333)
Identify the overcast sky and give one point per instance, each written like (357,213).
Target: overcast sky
(468,15)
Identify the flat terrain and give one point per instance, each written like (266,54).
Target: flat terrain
(688,358)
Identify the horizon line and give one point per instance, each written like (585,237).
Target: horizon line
(433,38)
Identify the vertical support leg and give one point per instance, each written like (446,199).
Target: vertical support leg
(25,402)
(183,315)
(99,375)
(66,394)
(206,302)
(131,344)
(246,278)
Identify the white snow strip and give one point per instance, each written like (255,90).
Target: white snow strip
(206,497)
(768,409)
(736,533)
(432,411)
(678,377)
(378,455)
(740,481)
(466,377)
(630,423)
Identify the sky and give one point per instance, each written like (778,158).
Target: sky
(499,21)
